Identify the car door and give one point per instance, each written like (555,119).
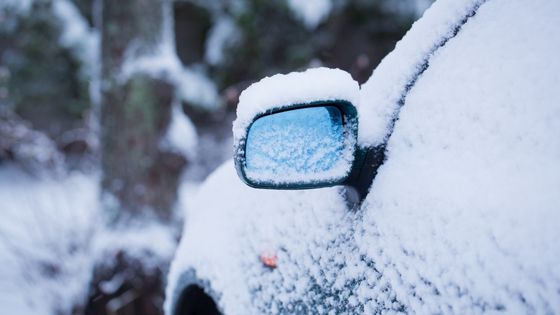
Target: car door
(463,216)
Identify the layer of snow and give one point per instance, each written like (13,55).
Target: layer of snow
(228,225)
(181,135)
(468,198)
(30,149)
(46,226)
(304,145)
(95,83)
(52,235)
(150,243)
(311,12)
(222,34)
(388,83)
(317,84)
(463,217)
(76,33)
(19,6)
(193,86)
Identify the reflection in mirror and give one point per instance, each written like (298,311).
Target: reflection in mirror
(304,145)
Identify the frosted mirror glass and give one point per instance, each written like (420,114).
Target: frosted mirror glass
(305,145)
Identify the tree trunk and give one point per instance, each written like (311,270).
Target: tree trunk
(139,178)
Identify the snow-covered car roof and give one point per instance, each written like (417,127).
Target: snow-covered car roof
(463,216)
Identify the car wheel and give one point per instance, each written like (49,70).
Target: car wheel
(194,301)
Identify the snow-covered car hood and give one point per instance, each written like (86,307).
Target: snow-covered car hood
(463,217)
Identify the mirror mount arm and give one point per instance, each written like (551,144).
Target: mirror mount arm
(361,179)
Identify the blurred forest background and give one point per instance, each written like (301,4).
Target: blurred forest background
(111,114)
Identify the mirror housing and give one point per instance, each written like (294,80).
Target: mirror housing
(354,174)
(300,131)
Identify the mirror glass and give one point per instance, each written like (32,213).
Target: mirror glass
(305,145)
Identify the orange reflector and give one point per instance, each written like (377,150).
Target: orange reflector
(270,261)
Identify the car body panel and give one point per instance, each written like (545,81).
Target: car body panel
(289,224)
(462,216)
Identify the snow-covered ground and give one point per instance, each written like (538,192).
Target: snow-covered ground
(52,235)
(46,231)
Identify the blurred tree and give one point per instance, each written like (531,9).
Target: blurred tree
(192,22)
(249,39)
(43,83)
(85,7)
(140,175)
(136,104)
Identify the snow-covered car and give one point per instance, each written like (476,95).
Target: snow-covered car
(463,211)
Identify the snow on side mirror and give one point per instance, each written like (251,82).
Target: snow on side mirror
(303,146)
(299,131)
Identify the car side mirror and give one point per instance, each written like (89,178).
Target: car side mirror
(302,145)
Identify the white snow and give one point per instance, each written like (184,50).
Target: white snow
(181,135)
(317,84)
(193,86)
(311,12)
(95,83)
(387,84)
(222,35)
(52,234)
(76,33)
(19,6)
(463,217)
(150,242)
(468,198)
(239,223)
(46,226)
(305,145)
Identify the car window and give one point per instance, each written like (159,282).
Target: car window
(464,213)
